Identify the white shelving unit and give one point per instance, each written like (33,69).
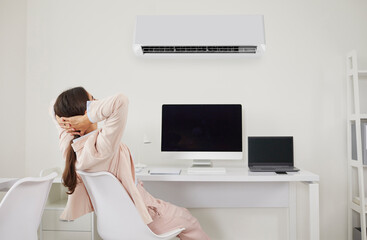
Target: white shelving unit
(356,192)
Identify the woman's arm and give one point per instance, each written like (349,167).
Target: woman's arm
(64,136)
(114,111)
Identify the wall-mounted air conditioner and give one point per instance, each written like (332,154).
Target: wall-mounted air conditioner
(172,35)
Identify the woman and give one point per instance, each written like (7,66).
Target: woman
(85,147)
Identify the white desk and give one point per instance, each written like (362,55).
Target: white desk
(7,183)
(238,188)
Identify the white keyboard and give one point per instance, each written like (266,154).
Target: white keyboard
(206,170)
(164,171)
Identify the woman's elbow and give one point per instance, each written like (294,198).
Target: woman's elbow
(122,99)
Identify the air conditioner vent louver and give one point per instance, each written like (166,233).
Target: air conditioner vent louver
(198,49)
(199,35)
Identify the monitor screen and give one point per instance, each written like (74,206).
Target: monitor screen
(270,151)
(202,128)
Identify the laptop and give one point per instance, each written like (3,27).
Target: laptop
(271,154)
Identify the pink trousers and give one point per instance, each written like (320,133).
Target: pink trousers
(167,217)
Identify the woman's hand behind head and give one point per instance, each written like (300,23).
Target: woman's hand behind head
(76,125)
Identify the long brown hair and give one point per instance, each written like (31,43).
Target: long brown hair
(70,103)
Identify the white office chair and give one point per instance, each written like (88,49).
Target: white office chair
(22,208)
(117,216)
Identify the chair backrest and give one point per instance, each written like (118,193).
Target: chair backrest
(117,216)
(22,208)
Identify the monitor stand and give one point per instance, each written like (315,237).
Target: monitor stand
(204,167)
(202,163)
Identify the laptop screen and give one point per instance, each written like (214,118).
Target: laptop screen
(270,151)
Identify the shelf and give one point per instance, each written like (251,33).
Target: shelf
(59,204)
(354,163)
(353,117)
(355,207)
(362,73)
(356,204)
(356,166)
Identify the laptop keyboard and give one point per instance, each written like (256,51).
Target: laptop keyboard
(275,168)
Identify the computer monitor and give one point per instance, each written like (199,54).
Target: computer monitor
(202,132)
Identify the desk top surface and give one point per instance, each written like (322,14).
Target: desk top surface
(232,175)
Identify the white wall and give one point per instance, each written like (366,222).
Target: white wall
(12,87)
(297,88)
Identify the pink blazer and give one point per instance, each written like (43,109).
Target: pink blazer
(102,150)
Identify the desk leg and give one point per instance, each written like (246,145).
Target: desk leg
(93,227)
(314,211)
(292,212)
